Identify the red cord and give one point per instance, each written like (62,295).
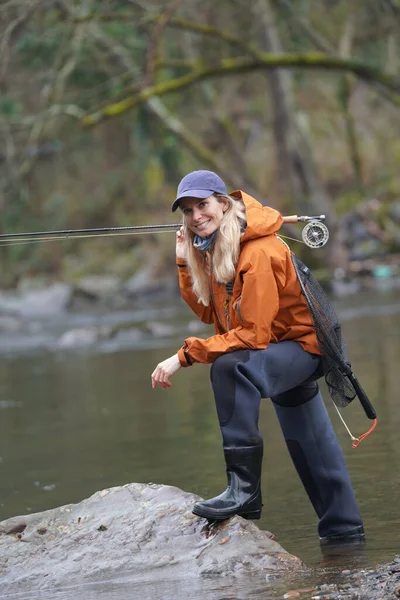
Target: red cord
(362,437)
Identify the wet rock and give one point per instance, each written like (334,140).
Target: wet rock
(128,335)
(28,284)
(195,327)
(84,336)
(147,284)
(37,303)
(375,584)
(138,530)
(99,287)
(142,281)
(9,324)
(159,329)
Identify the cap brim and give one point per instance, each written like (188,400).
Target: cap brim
(191,194)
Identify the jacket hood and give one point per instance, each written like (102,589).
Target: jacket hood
(261,220)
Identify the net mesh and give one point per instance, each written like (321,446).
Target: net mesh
(337,368)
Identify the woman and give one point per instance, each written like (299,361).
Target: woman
(236,273)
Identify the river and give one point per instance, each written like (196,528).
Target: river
(74,422)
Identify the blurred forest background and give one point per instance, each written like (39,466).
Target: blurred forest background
(105,105)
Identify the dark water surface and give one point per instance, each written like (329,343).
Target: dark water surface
(74,422)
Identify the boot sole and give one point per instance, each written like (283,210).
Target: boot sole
(252,515)
(354,536)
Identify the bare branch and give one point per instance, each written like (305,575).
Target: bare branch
(155,40)
(234,66)
(6,36)
(178,23)
(319,42)
(56,90)
(55,110)
(376,32)
(58,87)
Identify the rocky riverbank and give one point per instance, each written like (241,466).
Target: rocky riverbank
(95,316)
(379,583)
(60,317)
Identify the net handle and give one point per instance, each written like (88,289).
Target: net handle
(363,398)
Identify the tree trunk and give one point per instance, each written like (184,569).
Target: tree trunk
(295,165)
(296,169)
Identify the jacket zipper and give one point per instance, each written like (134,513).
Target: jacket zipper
(226,312)
(229,292)
(216,309)
(237,308)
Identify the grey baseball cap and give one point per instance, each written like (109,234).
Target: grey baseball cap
(199,184)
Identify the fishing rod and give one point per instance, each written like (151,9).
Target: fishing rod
(315,234)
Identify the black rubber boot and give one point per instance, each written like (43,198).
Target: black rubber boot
(243,494)
(319,461)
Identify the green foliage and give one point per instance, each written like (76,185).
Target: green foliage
(54,209)
(9,107)
(37,49)
(87,74)
(347,201)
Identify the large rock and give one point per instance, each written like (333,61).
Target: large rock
(99,286)
(137,530)
(42,303)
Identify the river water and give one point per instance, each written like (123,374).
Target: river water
(74,422)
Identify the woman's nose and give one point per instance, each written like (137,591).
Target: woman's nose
(196,214)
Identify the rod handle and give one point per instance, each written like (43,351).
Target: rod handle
(363,398)
(291,219)
(303,219)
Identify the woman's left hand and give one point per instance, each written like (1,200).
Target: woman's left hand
(164,370)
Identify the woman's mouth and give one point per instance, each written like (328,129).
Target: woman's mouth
(203,225)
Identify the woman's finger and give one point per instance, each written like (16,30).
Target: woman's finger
(155,377)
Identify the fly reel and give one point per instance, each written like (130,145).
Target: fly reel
(315,234)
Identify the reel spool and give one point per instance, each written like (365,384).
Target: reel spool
(315,234)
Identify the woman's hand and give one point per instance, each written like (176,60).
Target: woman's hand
(180,244)
(163,372)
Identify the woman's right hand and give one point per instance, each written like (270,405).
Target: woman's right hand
(180,244)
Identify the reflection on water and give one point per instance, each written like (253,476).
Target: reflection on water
(74,423)
(211,588)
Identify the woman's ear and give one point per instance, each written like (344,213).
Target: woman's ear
(225,206)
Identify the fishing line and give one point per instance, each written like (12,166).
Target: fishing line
(293,239)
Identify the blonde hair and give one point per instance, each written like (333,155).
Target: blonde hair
(225,253)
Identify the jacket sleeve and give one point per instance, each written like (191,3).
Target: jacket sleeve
(205,313)
(259,306)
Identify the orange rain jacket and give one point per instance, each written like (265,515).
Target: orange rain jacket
(266,305)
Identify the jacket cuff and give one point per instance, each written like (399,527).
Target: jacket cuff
(184,358)
(181,262)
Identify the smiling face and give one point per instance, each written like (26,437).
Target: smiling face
(203,216)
